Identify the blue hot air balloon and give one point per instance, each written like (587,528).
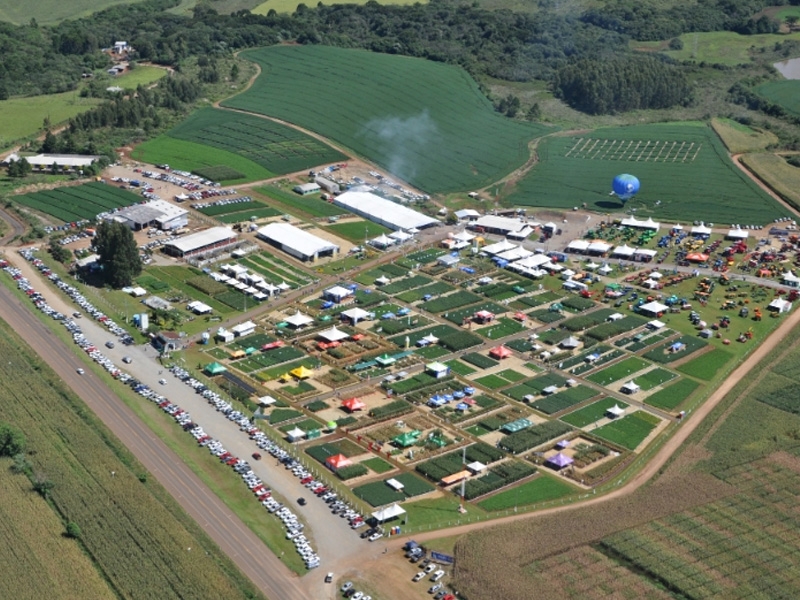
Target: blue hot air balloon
(625,187)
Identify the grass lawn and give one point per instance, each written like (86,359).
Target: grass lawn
(358,231)
(741,138)
(435,512)
(592,413)
(286,200)
(723,47)
(629,431)
(21,117)
(618,371)
(377,464)
(512,375)
(141,75)
(673,395)
(706,365)
(540,489)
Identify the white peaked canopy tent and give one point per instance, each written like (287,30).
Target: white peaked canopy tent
(390,512)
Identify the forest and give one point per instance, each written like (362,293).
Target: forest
(500,44)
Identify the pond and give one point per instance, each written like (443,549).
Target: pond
(789,68)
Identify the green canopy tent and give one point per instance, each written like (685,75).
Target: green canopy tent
(404,440)
(215,368)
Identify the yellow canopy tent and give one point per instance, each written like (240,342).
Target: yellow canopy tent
(285,377)
(301,372)
(238,354)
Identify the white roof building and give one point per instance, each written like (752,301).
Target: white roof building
(515,254)
(598,248)
(780,305)
(382,211)
(578,246)
(337,293)
(738,234)
(502,225)
(244,329)
(45,161)
(199,308)
(497,248)
(296,242)
(700,230)
(211,239)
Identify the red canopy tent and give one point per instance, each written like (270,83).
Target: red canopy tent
(500,352)
(353,404)
(697,257)
(483,316)
(520,316)
(337,461)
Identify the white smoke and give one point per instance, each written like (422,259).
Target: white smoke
(402,140)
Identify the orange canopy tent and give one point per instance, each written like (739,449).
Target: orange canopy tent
(337,461)
(697,257)
(353,404)
(500,352)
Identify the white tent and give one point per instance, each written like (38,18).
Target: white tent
(333,334)
(382,241)
(295,434)
(400,236)
(578,246)
(654,308)
(624,251)
(615,411)
(390,512)
(382,280)
(356,314)
(791,280)
(630,388)
(738,234)
(298,320)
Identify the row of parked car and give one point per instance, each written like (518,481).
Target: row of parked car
(223,202)
(294,529)
(29,254)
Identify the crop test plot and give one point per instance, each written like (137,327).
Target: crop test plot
(670,151)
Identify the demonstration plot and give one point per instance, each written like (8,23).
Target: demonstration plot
(684,171)
(83,202)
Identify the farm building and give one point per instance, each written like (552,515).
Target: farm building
(199,308)
(244,329)
(437,369)
(637,224)
(296,242)
(467,214)
(215,238)
(156,213)
(384,212)
(306,188)
(508,226)
(70,163)
(326,184)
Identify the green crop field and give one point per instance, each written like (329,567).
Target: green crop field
(673,395)
(291,202)
(21,117)
(654,378)
(542,488)
(684,169)
(74,203)
(592,413)
(425,122)
(785,92)
(618,371)
(50,11)
(222,135)
(776,173)
(358,231)
(706,365)
(629,431)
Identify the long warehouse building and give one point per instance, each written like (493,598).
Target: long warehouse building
(384,212)
(215,238)
(295,241)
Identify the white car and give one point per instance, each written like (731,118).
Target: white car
(418,576)
(80,371)
(375,536)
(162,381)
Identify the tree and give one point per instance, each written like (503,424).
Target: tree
(234,72)
(119,256)
(50,143)
(61,253)
(12,440)
(42,485)
(73,530)
(534,112)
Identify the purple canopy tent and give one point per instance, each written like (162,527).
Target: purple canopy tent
(559,461)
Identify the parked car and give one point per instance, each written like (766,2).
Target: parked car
(328,577)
